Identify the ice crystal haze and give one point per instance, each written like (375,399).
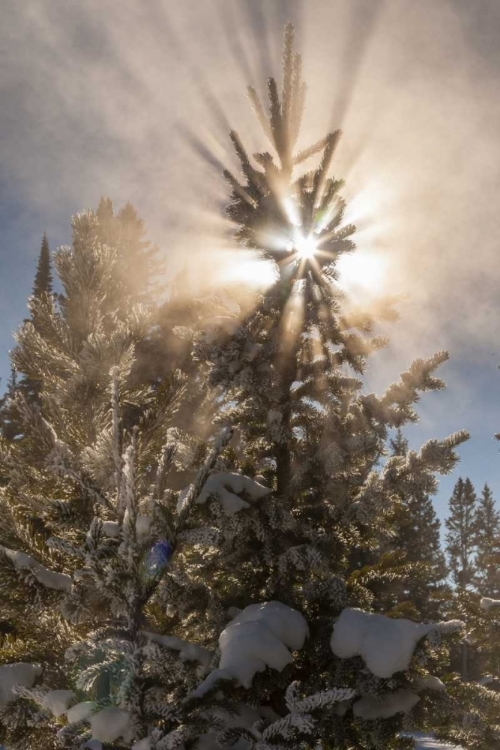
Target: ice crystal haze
(196,595)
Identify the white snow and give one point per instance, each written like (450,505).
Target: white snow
(228,486)
(187,651)
(19,673)
(46,577)
(144,744)
(386,645)
(284,622)
(384,706)
(142,526)
(80,712)
(430,683)
(57,701)
(426,742)
(110,724)
(487,603)
(257,638)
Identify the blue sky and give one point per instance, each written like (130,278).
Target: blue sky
(137,105)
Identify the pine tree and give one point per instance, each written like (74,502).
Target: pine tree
(235,612)
(417,536)
(460,539)
(9,428)
(43,277)
(139,267)
(487,543)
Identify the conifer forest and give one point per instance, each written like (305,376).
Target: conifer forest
(238,508)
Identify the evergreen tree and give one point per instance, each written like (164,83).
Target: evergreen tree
(234,613)
(487,543)
(460,538)
(10,425)
(9,428)
(43,277)
(417,537)
(139,267)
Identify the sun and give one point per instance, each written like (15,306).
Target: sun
(306,247)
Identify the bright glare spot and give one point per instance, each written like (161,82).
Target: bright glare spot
(362,270)
(250,270)
(291,211)
(306,246)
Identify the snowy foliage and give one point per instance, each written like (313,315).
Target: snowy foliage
(258,637)
(386,645)
(13,675)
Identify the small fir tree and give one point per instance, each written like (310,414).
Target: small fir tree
(460,538)
(416,538)
(487,543)
(43,277)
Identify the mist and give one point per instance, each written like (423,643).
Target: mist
(135,100)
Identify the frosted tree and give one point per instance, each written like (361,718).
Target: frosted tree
(288,377)
(460,537)
(237,612)
(417,539)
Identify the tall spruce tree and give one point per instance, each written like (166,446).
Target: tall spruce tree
(9,427)
(487,544)
(10,424)
(417,537)
(234,613)
(43,277)
(461,535)
(139,268)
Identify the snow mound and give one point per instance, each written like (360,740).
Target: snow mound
(487,603)
(48,578)
(110,724)
(144,744)
(430,683)
(80,712)
(57,701)
(385,645)
(258,637)
(16,674)
(382,707)
(228,487)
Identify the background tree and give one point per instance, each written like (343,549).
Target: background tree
(460,538)
(416,540)
(43,276)
(487,543)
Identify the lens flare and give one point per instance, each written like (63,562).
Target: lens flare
(362,270)
(306,247)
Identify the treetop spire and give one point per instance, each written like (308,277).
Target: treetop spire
(43,276)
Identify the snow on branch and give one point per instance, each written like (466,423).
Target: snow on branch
(187,651)
(227,487)
(386,645)
(13,675)
(48,578)
(259,636)
(487,603)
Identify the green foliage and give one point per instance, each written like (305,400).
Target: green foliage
(461,525)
